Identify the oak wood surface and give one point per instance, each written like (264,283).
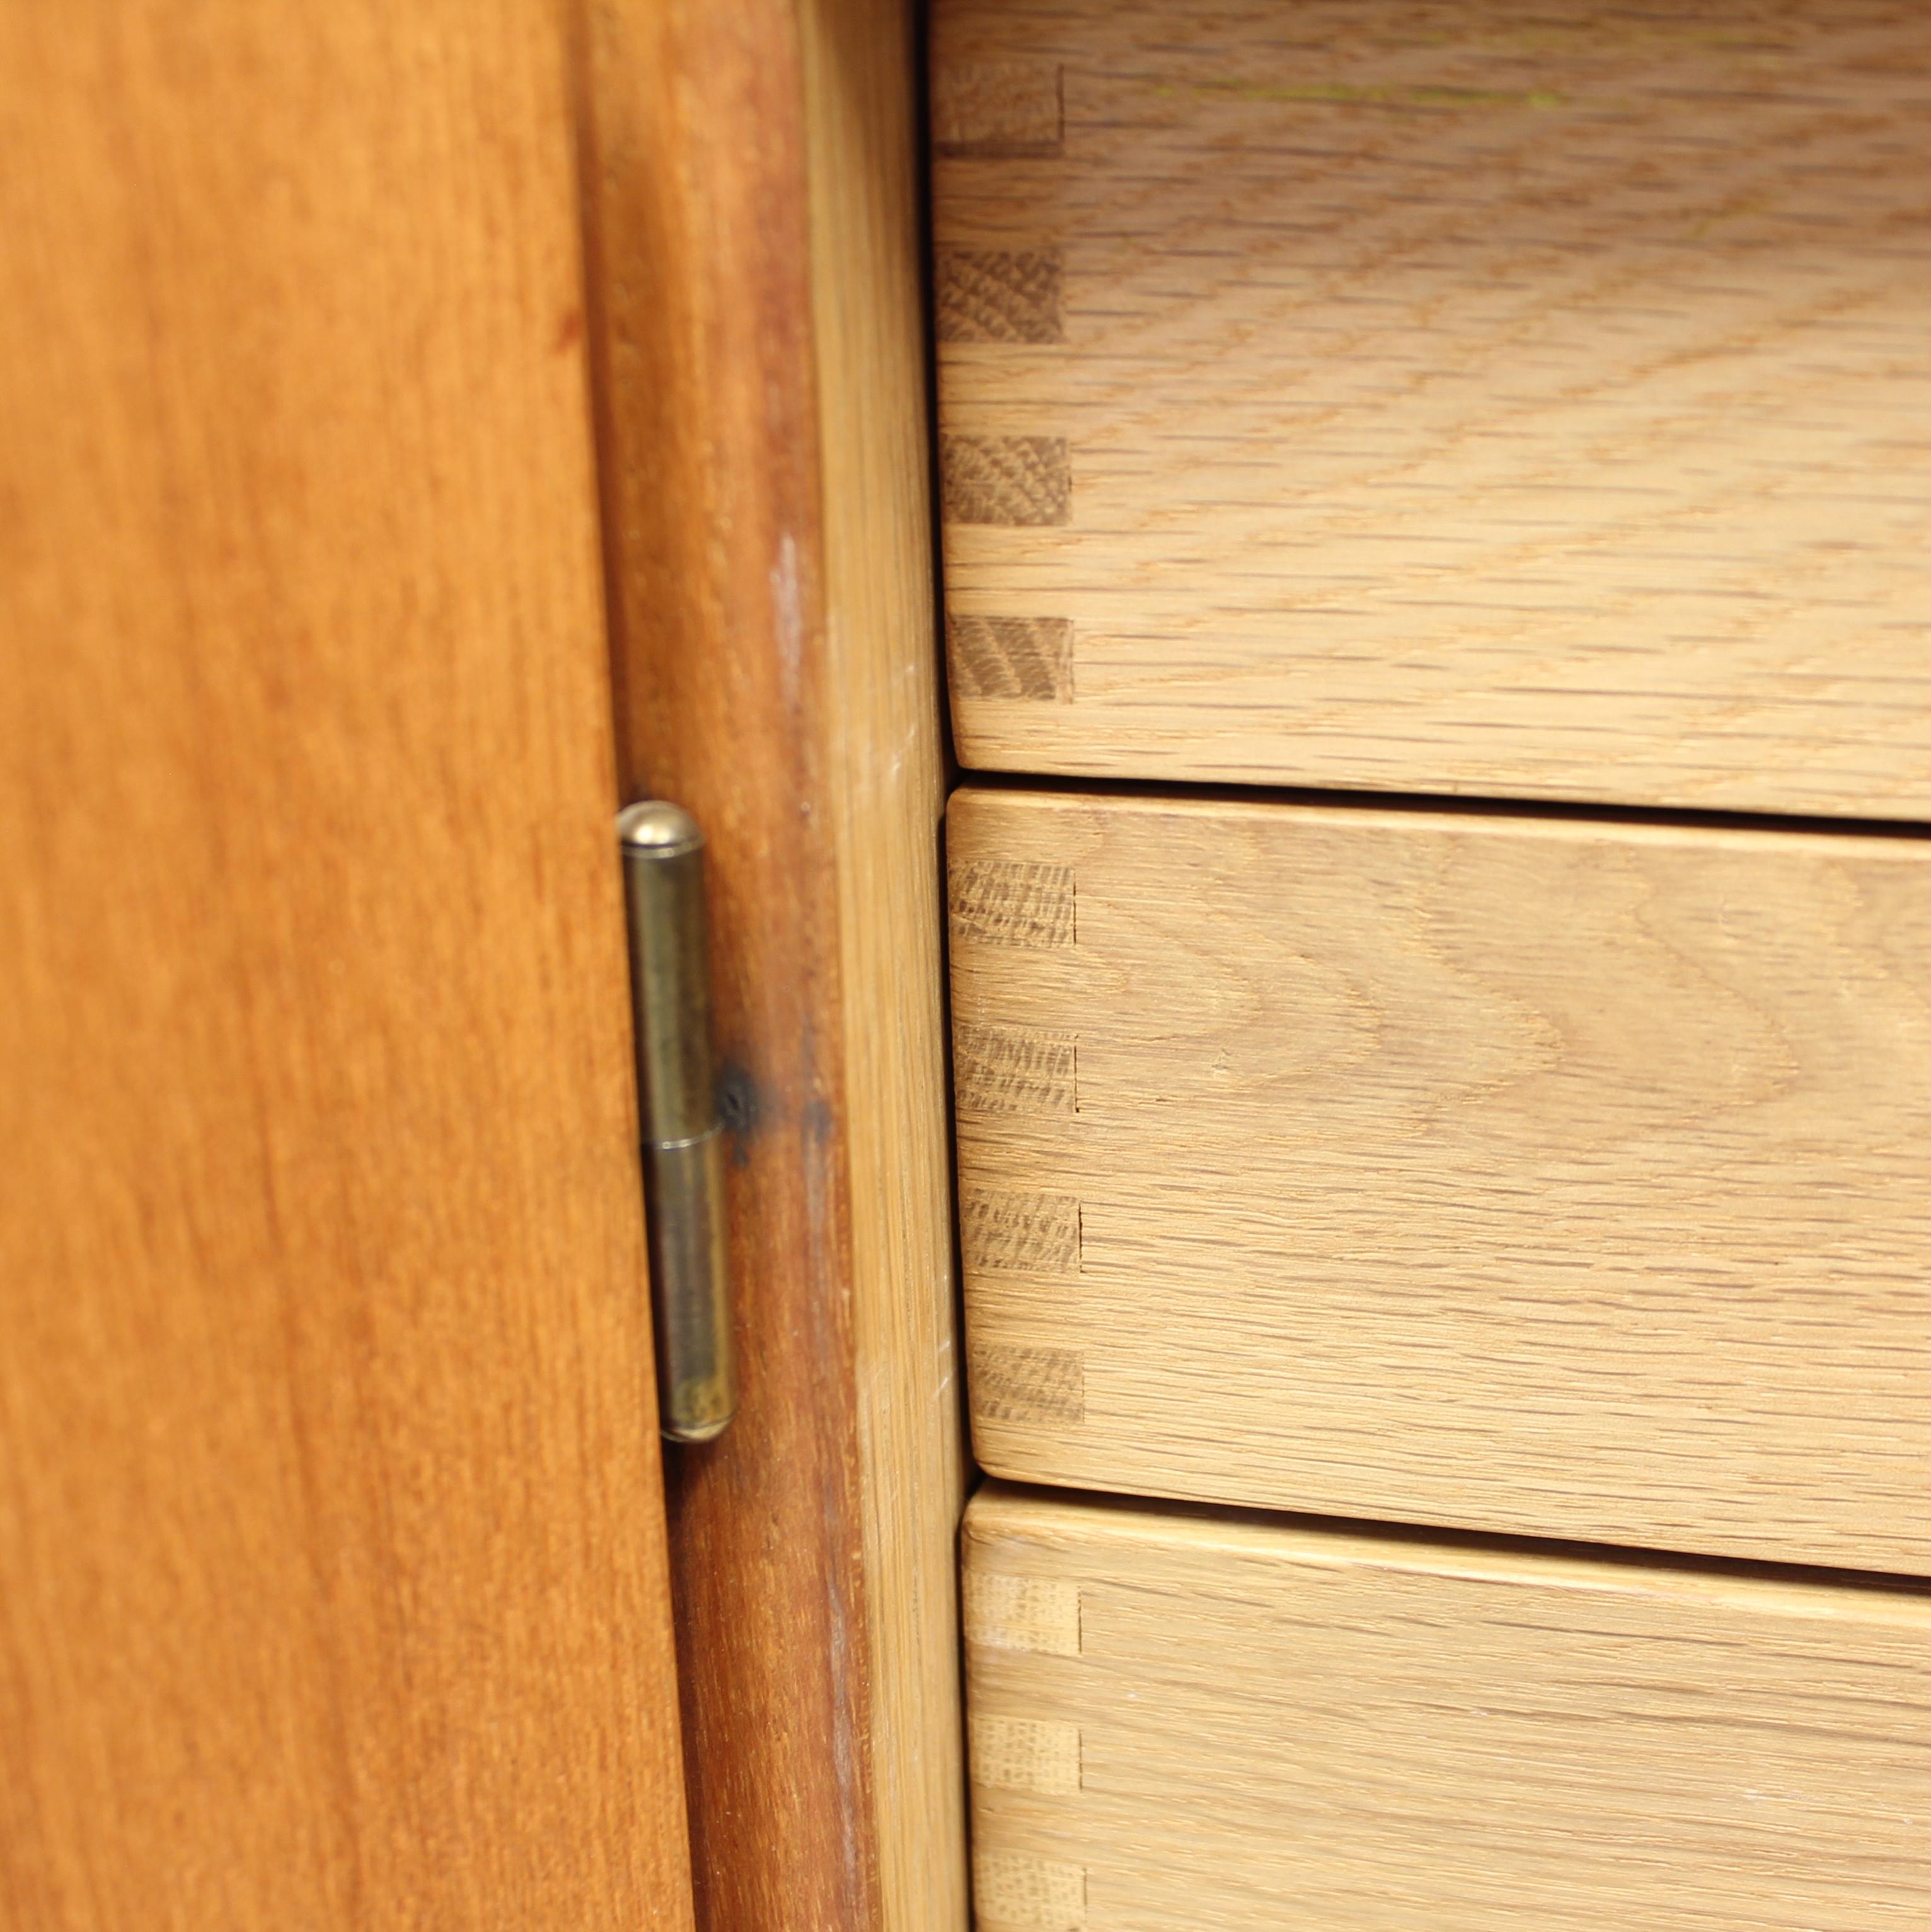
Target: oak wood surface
(1516,398)
(1248,1723)
(754,279)
(331,1525)
(884,758)
(1545,1174)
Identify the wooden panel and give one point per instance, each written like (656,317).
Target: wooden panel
(1517,398)
(1532,1174)
(761,419)
(1269,1724)
(330,1518)
(884,768)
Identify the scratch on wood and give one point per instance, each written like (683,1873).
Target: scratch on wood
(998,295)
(1013,902)
(1007,1070)
(1015,1385)
(997,110)
(1018,482)
(1010,1233)
(1011,657)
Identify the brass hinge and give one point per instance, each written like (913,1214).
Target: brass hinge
(683,1138)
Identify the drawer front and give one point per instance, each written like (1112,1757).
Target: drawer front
(1558,1176)
(1179,1723)
(1493,399)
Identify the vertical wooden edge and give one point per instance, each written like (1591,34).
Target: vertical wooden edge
(727,695)
(886,786)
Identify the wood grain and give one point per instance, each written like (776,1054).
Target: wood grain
(1035,1613)
(1040,1386)
(1011,657)
(701,281)
(330,1516)
(884,755)
(1012,481)
(1000,903)
(997,109)
(757,286)
(1535,1174)
(1014,1070)
(996,295)
(1516,399)
(1004,1231)
(1280,1724)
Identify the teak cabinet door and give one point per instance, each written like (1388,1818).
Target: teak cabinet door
(331,1517)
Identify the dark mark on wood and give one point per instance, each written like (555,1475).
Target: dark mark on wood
(738,1109)
(1022,482)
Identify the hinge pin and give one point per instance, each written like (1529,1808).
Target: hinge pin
(683,1139)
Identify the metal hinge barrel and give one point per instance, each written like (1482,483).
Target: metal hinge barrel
(662,849)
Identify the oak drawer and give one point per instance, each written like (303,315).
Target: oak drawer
(1544,1174)
(1505,399)
(1179,1722)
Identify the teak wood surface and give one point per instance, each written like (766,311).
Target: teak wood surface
(333,1587)
(756,292)
(1519,398)
(1183,1720)
(1539,1174)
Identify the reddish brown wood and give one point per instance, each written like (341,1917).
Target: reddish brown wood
(695,167)
(333,1588)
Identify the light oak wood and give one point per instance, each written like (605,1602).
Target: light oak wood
(1268,1724)
(1518,398)
(884,764)
(1537,1174)
(756,281)
(331,1527)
